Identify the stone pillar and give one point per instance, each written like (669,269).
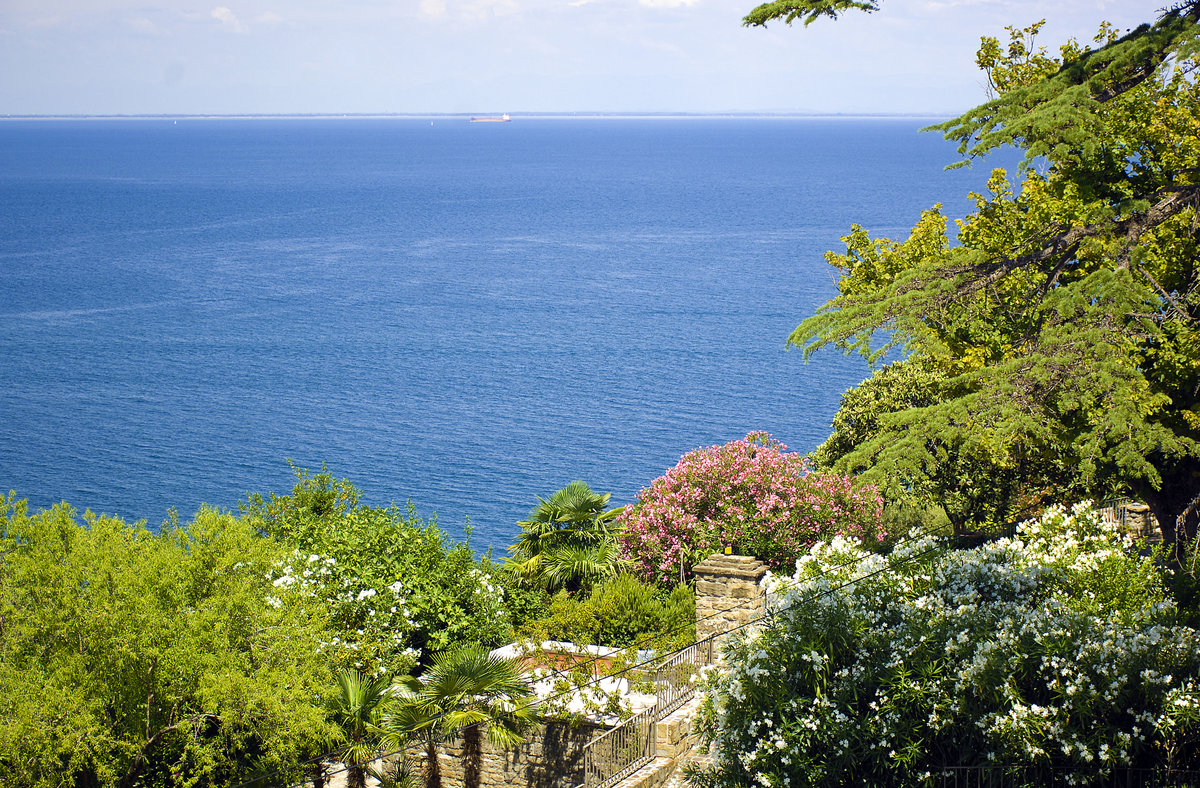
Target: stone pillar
(1140,522)
(728,594)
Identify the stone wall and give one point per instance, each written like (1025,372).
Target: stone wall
(728,593)
(550,757)
(1141,523)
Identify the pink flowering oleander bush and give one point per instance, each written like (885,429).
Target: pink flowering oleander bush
(751,495)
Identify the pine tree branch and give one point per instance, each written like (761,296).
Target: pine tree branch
(1062,246)
(1059,111)
(1162,292)
(811,10)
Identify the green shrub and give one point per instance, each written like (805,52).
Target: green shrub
(1056,649)
(129,657)
(621,612)
(525,604)
(567,618)
(395,588)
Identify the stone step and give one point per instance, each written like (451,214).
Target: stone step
(652,775)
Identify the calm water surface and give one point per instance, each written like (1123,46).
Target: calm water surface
(464,315)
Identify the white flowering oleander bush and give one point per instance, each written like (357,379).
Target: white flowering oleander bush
(574,684)
(1056,648)
(394,589)
(369,630)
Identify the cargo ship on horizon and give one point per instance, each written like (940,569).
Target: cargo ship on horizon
(492,119)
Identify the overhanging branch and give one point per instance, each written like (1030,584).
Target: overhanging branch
(1060,247)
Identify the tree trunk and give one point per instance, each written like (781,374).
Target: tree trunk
(433,770)
(472,757)
(356,776)
(1176,505)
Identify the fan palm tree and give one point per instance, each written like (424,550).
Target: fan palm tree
(576,566)
(571,530)
(466,690)
(357,710)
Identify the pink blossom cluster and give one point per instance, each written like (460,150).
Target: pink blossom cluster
(750,495)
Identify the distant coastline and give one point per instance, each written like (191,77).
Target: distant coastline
(466,116)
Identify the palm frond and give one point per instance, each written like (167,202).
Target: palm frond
(360,701)
(579,564)
(465,686)
(572,520)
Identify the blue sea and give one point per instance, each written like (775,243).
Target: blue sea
(464,315)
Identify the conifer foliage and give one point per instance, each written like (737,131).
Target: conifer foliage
(1057,334)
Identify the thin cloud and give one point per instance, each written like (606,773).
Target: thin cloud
(472,10)
(140,24)
(229,20)
(487,8)
(433,8)
(666,47)
(667,3)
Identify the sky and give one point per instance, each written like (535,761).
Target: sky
(130,57)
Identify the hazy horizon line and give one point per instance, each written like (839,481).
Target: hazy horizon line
(457,115)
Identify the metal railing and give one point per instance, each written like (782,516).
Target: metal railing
(1112,510)
(675,677)
(614,755)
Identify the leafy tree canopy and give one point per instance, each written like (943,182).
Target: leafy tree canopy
(136,658)
(1057,332)
(393,585)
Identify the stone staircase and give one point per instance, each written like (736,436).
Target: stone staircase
(674,746)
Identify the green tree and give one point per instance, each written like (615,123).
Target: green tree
(1062,323)
(394,587)
(357,710)
(974,487)
(568,541)
(129,657)
(466,691)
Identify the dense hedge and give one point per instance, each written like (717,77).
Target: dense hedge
(129,657)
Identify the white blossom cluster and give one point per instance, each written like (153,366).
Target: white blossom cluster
(1057,647)
(384,625)
(488,595)
(373,626)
